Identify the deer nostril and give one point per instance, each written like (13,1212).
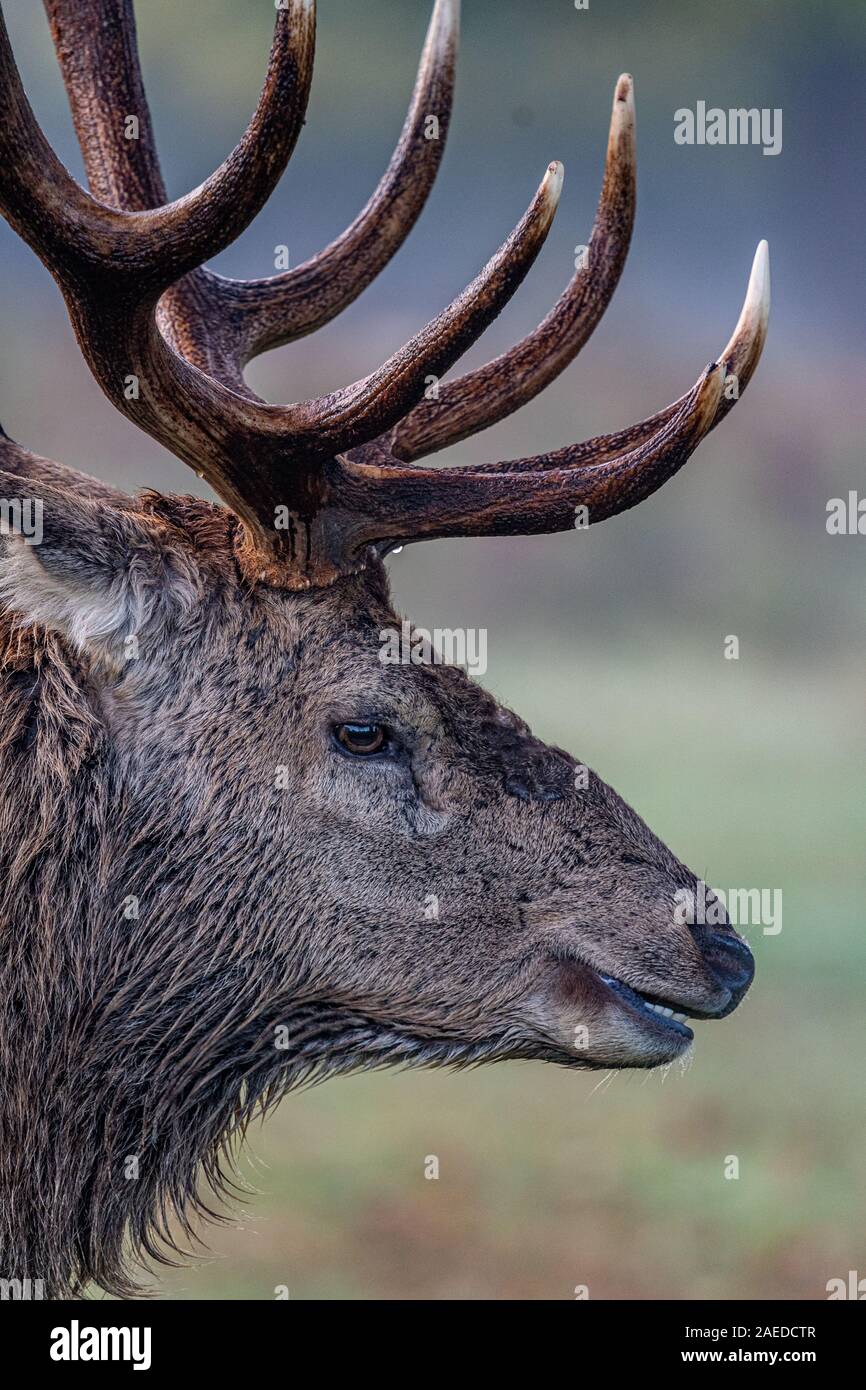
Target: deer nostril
(728,958)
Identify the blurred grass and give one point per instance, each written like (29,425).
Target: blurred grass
(549,1179)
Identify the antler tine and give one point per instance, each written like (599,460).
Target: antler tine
(362,411)
(284,307)
(202,223)
(481,398)
(413,504)
(606,475)
(79,237)
(743,350)
(97,49)
(39,198)
(740,357)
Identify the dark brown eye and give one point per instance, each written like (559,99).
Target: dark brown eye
(362,740)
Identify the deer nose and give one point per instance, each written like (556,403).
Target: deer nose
(728,959)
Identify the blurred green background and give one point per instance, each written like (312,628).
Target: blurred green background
(609,642)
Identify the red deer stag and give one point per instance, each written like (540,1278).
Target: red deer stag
(222,814)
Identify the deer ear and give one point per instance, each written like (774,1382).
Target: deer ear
(94,573)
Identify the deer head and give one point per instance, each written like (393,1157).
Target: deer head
(240,851)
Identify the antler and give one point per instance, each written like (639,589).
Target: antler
(168,340)
(98,56)
(604,476)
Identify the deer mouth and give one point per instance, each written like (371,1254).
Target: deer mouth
(650,1009)
(622,1025)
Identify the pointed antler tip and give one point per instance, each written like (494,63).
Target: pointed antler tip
(757,303)
(447,12)
(551,185)
(622,121)
(747,340)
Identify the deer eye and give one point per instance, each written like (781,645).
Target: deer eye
(361,740)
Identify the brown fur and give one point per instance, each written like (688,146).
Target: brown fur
(303,908)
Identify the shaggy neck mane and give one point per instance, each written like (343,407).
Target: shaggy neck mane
(133,1050)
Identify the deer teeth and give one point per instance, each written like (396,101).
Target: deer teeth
(634,995)
(666,1013)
